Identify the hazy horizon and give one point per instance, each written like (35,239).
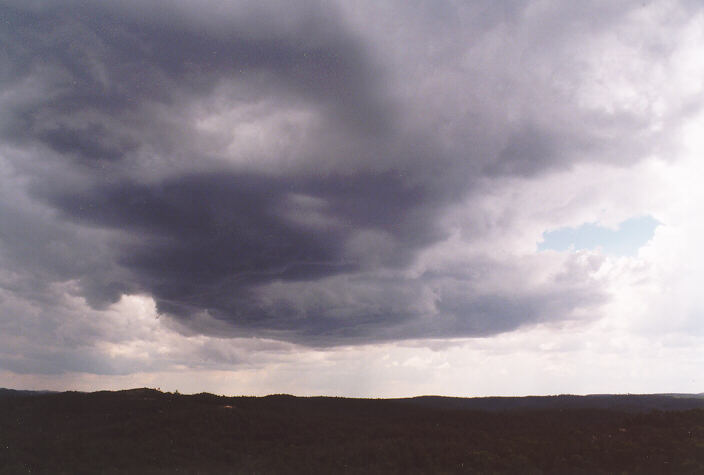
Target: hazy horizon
(352,198)
(676,396)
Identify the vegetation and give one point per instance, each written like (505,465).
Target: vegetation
(147,431)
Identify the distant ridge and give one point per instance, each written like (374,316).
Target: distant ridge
(5,392)
(616,402)
(619,402)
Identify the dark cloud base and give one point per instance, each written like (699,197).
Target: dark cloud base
(102,98)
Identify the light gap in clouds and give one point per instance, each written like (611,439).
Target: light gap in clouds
(625,240)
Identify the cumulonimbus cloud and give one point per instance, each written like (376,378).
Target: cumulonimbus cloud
(280,169)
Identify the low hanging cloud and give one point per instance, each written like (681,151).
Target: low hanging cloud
(286,170)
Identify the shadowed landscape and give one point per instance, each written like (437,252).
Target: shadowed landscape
(149,431)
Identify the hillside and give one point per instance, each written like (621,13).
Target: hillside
(147,431)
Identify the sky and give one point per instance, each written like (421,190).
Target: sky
(624,240)
(352,198)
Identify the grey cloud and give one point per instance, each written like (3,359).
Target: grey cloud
(196,242)
(99,65)
(527,150)
(62,360)
(457,302)
(37,250)
(121,193)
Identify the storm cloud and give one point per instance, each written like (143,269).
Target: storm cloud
(285,169)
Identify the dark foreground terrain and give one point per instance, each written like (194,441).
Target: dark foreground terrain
(147,431)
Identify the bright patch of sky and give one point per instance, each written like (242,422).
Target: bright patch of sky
(625,240)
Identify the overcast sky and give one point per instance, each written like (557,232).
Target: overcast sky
(352,198)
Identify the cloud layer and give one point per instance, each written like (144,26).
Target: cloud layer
(325,174)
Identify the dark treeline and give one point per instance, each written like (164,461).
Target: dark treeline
(147,431)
